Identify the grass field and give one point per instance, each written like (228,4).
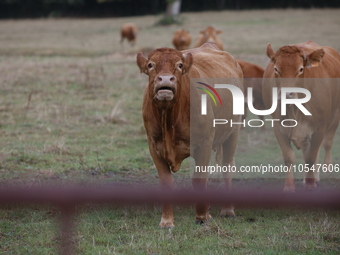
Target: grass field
(70,112)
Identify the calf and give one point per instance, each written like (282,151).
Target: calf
(181,39)
(129,31)
(210,34)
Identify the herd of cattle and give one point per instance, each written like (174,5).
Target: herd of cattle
(167,114)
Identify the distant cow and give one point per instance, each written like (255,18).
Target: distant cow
(253,78)
(181,40)
(210,34)
(305,60)
(129,31)
(166,115)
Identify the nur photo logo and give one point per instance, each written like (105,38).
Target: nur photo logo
(282,98)
(204,97)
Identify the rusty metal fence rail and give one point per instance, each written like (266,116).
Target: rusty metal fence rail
(67,198)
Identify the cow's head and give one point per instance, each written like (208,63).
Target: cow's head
(290,62)
(182,34)
(182,38)
(210,34)
(135,30)
(165,68)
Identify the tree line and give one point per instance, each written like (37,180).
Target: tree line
(120,8)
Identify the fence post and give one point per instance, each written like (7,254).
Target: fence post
(67,228)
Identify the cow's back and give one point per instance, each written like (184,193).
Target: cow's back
(251,70)
(253,75)
(211,62)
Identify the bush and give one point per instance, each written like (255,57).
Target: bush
(169,20)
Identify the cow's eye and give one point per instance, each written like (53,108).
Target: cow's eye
(301,70)
(180,66)
(150,65)
(276,70)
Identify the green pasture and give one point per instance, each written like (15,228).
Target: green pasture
(70,113)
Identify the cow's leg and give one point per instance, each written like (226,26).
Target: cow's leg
(121,43)
(317,173)
(328,141)
(288,157)
(263,128)
(132,42)
(219,155)
(229,148)
(244,116)
(166,182)
(311,155)
(199,181)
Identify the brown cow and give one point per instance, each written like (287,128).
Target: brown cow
(129,31)
(253,78)
(305,60)
(166,114)
(182,39)
(210,34)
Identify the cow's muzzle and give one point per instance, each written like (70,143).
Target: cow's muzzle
(165,87)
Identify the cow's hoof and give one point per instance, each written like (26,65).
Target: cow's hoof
(310,184)
(227,213)
(230,216)
(311,187)
(288,189)
(201,220)
(167,227)
(166,224)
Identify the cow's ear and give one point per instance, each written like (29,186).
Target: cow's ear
(142,62)
(187,62)
(218,32)
(270,52)
(202,32)
(314,58)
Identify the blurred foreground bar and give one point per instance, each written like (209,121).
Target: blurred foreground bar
(74,195)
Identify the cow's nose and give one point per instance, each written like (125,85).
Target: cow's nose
(164,80)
